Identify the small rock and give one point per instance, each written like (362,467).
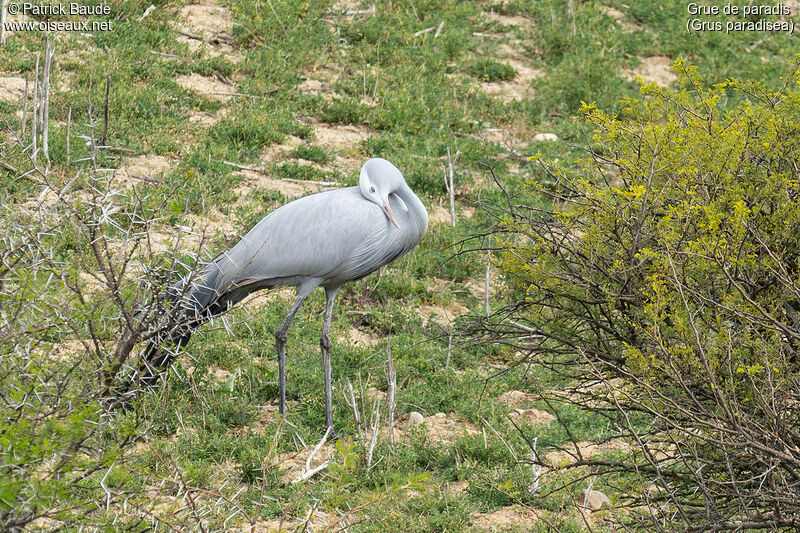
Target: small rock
(514,397)
(415,418)
(533,416)
(651,489)
(539,137)
(594,500)
(220,374)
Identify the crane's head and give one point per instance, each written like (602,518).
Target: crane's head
(379,178)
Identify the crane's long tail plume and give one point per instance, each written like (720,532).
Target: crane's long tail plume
(189,304)
(159,354)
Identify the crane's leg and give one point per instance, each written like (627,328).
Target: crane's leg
(325,344)
(281,334)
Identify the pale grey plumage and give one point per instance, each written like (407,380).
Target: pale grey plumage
(321,240)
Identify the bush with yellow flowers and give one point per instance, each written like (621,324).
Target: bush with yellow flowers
(665,281)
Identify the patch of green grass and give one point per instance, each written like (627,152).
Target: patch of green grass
(296,171)
(487,69)
(343,111)
(315,154)
(245,133)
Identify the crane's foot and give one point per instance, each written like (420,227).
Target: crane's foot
(334,435)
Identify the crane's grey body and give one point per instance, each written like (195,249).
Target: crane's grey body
(330,237)
(321,240)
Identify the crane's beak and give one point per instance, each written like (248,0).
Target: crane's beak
(388,212)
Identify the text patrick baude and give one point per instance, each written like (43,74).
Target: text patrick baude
(72,8)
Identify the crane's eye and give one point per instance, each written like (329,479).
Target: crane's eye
(372,189)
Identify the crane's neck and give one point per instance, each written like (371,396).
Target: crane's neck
(416,209)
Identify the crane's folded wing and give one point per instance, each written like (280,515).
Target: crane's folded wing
(334,236)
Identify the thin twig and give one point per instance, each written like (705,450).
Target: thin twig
(45,112)
(304,524)
(147,11)
(69,123)
(536,469)
(148,179)
(35,124)
(508,447)
(243,167)
(587,493)
(275,14)
(105,111)
(308,472)
(118,149)
(486,282)
(380,276)
(571,15)
(264,171)
(246,95)
(376,411)
(351,402)
(438,30)
(450,188)
(92,140)
(390,395)
(3,8)
(165,54)
(25,109)
(215,39)
(353,12)
(315,182)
